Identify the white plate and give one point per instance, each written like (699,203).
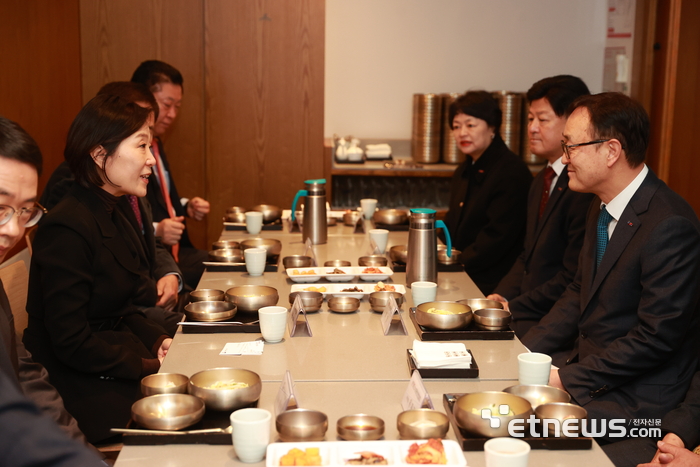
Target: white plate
(384,275)
(335,290)
(336,453)
(305,277)
(351,274)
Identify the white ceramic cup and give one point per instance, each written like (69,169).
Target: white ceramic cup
(423,292)
(253,222)
(255,260)
(380,237)
(368,205)
(251,433)
(273,322)
(506,452)
(534,368)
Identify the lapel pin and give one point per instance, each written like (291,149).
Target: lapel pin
(630,223)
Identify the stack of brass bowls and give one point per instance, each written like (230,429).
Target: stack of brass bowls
(425,137)
(511,108)
(450,151)
(270,213)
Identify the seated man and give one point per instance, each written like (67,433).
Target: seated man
(632,311)
(169,210)
(555,213)
(20,166)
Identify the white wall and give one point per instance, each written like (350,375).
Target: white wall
(380,52)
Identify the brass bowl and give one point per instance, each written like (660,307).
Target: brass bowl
(296,261)
(226,255)
(398,254)
(164,383)
(301,425)
(235,217)
(250,298)
(378,300)
(312,301)
(537,394)
(373,261)
(480,303)
(225,399)
(562,411)
(360,427)
(350,218)
(270,213)
(210,311)
(206,295)
(467,410)
(444,259)
(390,216)
(492,319)
(337,263)
(272,246)
(422,424)
(226,245)
(343,304)
(234,209)
(461,318)
(167,411)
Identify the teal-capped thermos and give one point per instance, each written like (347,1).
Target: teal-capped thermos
(421,261)
(315,221)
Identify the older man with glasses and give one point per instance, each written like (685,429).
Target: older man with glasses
(633,309)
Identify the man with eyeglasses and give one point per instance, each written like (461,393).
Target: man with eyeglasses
(555,214)
(632,311)
(26,436)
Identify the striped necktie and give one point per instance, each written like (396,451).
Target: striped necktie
(604,219)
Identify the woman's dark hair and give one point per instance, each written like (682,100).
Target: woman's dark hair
(105,121)
(615,115)
(16,144)
(560,91)
(132,92)
(154,72)
(479,104)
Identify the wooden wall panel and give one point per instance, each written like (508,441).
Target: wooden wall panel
(116,36)
(264,109)
(684,167)
(40,71)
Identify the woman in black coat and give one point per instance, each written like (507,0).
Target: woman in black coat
(88,265)
(488,195)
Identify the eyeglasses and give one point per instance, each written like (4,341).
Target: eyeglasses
(568,147)
(27,216)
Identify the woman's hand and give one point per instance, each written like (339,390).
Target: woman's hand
(163,350)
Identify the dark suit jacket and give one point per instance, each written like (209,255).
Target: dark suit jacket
(548,263)
(487,213)
(27,437)
(155,197)
(84,324)
(29,376)
(635,322)
(684,421)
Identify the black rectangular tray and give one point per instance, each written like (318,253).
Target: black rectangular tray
(470,443)
(230,328)
(444,373)
(270,266)
(391,228)
(468,333)
(277,225)
(457,267)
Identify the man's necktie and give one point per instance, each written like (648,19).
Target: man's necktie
(549,175)
(166,194)
(604,219)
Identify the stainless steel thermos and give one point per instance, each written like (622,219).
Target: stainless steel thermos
(315,221)
(421,261)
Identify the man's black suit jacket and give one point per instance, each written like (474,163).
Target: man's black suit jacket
(154,195)
(548,263)
(635,321)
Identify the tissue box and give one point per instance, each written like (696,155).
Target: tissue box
(443,373)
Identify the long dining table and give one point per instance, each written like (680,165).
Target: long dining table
(347,366)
